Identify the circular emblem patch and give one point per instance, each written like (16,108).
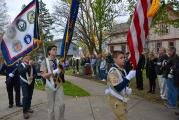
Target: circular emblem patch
(21,25)
(27,39)
(17,46)
(31,16)
(11,32)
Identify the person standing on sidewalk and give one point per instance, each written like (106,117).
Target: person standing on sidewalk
(169,75)
(27,75)
(161,79)
(139,71)
(12,82)
(151,72)
(93,65)
(103,69)
(117,82)
(54,89)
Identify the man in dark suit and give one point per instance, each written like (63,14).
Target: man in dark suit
(12,82)
(139,69)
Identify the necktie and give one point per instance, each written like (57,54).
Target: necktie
(54,64)
(54,67)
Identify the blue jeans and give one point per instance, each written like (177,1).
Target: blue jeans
(27,91)
(172,94)
(102,74)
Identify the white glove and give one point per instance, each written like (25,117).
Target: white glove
(125,100)
(107,91)
(128,91)
(11,75)
(131,74)
(56,71)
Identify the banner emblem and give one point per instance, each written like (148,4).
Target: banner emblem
(11,32)
(21,25)
(17,46)
(31,16)
(27,39)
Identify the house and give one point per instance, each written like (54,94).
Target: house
(73,50)
(166,39)
(118,38)
(169,37)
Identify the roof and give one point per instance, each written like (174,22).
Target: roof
(119,28)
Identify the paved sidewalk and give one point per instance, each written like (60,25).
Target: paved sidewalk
(94,107)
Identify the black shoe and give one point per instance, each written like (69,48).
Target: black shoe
(19,105)
(10,106)
(26,116)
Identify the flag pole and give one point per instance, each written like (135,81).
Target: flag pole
(43,45)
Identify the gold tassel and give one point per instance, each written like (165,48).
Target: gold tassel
(154,8)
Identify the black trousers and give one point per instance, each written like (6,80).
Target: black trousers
(152,84)
(27,92)
(13,84)
(139,79)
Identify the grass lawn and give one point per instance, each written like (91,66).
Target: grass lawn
(69,89)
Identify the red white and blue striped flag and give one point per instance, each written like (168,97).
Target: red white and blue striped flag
(139,30)
(22,35)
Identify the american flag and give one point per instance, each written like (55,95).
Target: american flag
(139,30)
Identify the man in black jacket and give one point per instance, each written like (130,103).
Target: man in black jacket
(169,66)
(27,75)
(12,82)
(139,70)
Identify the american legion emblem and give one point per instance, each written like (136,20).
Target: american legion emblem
(21,25)
(31,16)
(11,32)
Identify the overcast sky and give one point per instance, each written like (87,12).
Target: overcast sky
(15,6)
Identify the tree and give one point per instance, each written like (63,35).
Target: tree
(168,13)
(4,19)
(95,20)
(45,21)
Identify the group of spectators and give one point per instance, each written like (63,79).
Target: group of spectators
(165,68)
(94,65)
(161,66)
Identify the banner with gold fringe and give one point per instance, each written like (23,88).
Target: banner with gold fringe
(22,34)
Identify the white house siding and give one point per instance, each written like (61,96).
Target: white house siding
(120,39)
(177,46)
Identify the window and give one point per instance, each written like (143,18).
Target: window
(111,49)
(123,48)
(158,45)
(164,29)
(171,44)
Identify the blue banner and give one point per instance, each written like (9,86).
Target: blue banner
(68,34)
